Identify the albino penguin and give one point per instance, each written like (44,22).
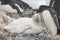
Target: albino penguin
(52,28)
(26,25)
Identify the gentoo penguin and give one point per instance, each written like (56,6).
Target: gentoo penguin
(16,5)
(49,21)
(53,13)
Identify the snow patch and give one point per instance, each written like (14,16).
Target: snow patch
(36,3)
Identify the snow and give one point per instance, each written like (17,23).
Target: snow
(36,3)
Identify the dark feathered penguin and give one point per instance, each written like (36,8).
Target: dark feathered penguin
(53,13)
(20,5)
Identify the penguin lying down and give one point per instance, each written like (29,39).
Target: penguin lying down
(28,25)
(32,25)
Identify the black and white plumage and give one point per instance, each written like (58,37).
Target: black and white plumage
(18,5)
(56,6)
(33,25)
(53,13)
(25,4)
(49,21)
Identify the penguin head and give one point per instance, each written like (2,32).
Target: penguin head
(36,17)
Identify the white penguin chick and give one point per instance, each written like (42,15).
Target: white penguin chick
(21,24)
(49,22)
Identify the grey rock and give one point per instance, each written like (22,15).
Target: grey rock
(24,38)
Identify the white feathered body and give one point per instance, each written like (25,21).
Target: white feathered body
(33,25)
(22,24)
(49,21)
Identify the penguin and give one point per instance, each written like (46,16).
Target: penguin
(49,22)
(25,25)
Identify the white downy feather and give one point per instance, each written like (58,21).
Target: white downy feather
(21,24)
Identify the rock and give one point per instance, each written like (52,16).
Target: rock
(27,13)
(57,37)
(24,38)
(4,19)
(13,15)
(7,8)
